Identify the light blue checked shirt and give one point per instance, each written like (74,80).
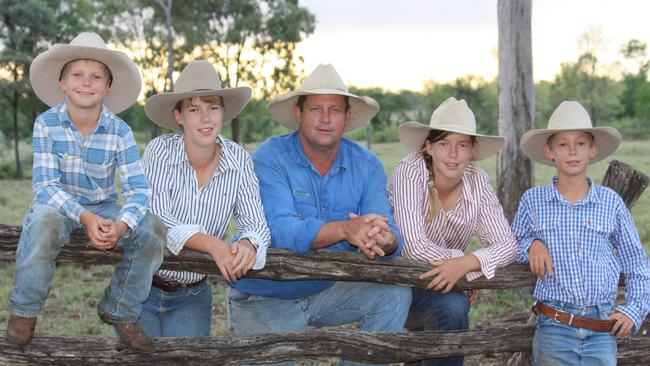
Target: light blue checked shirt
(591,243)
(72,170)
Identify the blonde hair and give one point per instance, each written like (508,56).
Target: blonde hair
(434,200)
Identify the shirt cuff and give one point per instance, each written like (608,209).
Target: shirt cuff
(178,235)
(485,260)
(306,236)
(260,259)
(129,219)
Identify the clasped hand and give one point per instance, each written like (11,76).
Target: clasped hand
(371,234)
(102,233)
(235,260)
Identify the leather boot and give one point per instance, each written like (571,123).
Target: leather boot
(20,330)
(131,334)
(135,338)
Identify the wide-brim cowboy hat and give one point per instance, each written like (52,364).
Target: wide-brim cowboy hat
(451,116)
(324,80)
(46,68)
(569,116)
(198,79)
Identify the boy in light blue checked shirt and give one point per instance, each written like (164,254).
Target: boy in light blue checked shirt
(78,145)
(578,237)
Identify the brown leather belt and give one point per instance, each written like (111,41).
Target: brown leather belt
(168,286)
(572,319)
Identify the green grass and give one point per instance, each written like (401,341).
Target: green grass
(71,305)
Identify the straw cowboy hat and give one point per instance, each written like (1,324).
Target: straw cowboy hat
(198,79)
(569,116)
(452,116)
(323,80)
(46,68)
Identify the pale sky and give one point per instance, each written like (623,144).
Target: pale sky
(399,44)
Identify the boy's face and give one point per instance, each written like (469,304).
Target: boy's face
(85,84)
(572,151)
(201,121)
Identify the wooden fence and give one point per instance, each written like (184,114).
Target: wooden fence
(317,343)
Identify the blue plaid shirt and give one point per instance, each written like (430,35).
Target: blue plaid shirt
(72,170)
(590,242)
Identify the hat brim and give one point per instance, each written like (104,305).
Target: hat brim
(160,107)
(363,108)
(607,139)
(46,68)
(413,135)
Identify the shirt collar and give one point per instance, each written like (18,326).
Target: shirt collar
(228,162)
(553,193)
(340,162)
(105,116)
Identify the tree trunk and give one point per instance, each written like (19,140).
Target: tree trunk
(166,6)
(14,105)
(516,101)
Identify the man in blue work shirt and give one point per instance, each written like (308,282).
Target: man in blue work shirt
(322,191)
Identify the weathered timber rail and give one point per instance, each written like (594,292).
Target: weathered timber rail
(317,343)
(312,344)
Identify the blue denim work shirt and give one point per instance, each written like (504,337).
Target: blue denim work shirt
(298,201)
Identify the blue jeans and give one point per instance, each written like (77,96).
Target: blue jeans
(448,311)
(184,313)
(46,231)
(559,344)
(380,308)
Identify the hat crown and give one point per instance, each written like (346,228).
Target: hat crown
(324,77)
(454,115)
(569,115)
(88,39)
(197,75)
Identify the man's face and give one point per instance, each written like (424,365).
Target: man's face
(85,84)
(322,121)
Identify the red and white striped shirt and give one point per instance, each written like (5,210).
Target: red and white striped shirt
(478,212)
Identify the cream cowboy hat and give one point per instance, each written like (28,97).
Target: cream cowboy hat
(569,116)
(452,116)
(198,79)
(46,68)
(323,80)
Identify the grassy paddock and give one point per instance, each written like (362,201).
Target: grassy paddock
(71,306)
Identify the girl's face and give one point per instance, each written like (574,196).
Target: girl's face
(451,155)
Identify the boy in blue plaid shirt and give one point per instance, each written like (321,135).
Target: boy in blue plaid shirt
(578,237)
(78,145)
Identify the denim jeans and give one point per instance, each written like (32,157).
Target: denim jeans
(380,308)
(46,231)
(184,313)
(559,344)
(435,311)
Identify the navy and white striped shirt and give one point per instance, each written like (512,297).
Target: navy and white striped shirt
(590,242)
(71,170)
(188,209)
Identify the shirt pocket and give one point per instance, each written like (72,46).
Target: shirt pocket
(305,208)
(100,165)
(597,245)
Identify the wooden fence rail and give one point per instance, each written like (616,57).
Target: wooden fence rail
(312,344)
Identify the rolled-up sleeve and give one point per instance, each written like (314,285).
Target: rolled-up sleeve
(288,230)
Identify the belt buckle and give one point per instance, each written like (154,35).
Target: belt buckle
(559,312)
